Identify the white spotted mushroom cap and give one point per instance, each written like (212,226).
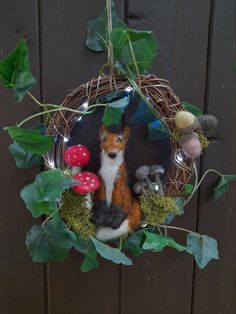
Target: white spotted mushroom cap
(89,182)
(77,156)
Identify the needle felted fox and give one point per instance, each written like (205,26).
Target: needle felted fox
(115,211)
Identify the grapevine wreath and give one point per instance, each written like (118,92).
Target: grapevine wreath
(100,212)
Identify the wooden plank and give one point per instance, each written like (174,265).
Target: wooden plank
(161,283)
(22,282)
(215,286)
(66,63)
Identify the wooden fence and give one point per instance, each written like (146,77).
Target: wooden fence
(197,53)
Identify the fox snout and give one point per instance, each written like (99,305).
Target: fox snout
(112,155)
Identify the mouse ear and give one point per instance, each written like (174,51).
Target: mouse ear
(126,133)
(103,131)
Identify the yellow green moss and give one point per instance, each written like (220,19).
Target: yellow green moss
(176,134)
(156,208)
(74,211)
(204,141)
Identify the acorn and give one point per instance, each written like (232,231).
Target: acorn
(208,124)
(186,122)
(191,145)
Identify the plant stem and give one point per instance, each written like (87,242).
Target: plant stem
(199,183)
(178,228)
(110,55)
(120,243)
(50,216)
(59,108)
(134,61)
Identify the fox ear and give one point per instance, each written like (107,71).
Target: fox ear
(103,131)
(126,133)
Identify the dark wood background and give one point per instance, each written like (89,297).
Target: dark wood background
(197,53)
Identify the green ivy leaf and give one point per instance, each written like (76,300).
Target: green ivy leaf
(50,242)
(134,242)
(24,158)
(143,114)
(90,259)
(97,30)
(114,110)
(144,47)
(112,254)
(157,242)
(157,131)
(87,248)
(31,140)
(112,115)
(15,73)
(179,210)
(37,209)
(193,109)
(50,185)
(202,247)
(223,185)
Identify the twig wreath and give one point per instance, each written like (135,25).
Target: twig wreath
(83,210)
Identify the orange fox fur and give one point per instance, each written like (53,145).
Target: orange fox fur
(112,157)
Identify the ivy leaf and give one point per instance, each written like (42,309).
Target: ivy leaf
(223,185)
(90,260)
(50,185)
(112,115)
(97,30)
(114,111)
(87,248)
(36,208)
(113,96)
(120,103)
(134,243)
(142,114)
(143,45)
(50,242)
(193,109)
(31,140)
(157,131)
(202,247)
(15,73)
(112,254)
(24,158)
(157,242)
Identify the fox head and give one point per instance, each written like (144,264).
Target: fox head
(113,144)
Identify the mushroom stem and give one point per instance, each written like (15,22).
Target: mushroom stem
(159,183)
(88,201)
(75,170)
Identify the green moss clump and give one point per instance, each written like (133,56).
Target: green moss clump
(204,141)
(156,208)
(74,211)
(176,134)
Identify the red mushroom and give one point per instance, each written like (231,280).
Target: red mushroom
(89,182)
(77,156)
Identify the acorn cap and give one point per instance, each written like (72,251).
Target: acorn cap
(77,156)
(208,124)
(88,182)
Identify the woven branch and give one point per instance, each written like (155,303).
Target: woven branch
(163,100)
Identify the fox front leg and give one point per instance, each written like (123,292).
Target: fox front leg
(99,211)
(116,210)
